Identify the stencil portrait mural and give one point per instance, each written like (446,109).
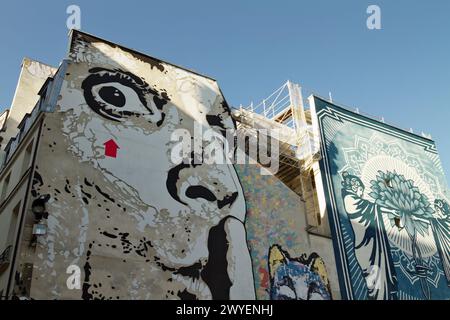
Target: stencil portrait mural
(387,204)
(139,226)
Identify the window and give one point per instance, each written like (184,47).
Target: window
(5,187)
(27,157)
(13,224)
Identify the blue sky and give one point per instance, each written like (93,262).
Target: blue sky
(401,72)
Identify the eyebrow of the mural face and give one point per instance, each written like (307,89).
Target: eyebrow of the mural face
(154,62)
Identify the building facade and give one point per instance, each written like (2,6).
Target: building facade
(93,205)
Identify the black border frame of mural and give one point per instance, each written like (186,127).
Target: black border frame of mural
(322,106)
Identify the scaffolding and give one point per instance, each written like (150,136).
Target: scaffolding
(284,112)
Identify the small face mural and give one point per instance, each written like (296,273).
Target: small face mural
(153,229)
(297,278)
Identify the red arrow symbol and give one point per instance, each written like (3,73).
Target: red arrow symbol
(111,148)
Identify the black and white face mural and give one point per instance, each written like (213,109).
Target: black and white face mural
(148,228)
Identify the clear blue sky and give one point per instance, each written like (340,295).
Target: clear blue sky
(401,72)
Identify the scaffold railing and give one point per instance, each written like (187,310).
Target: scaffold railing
(284,110)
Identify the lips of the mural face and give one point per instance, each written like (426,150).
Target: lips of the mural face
(117,95)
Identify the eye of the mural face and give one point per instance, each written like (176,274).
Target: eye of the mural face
(119,100)
(112,96)
(117,95)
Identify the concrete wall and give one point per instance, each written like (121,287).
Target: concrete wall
(33,74)
(139,225)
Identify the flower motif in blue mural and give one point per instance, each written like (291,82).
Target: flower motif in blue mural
(394,191)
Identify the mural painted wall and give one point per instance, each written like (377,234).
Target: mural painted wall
(140,226)
(387,205)
(288,263)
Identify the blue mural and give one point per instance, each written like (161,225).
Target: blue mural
(387,203)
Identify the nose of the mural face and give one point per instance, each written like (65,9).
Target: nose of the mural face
(207,188)
(197,192)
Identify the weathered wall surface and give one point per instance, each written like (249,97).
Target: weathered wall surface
(387,202)
(137,224)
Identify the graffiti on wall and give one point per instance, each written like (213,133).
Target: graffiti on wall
(297,278)
(275,226)
(386,194)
